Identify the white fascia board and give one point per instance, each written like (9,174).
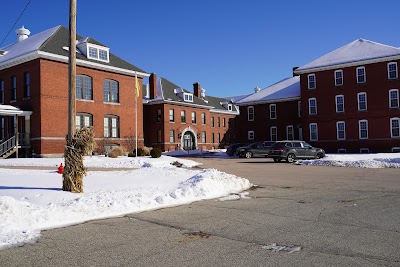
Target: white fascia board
(177,103)
(349,64)
(19,60)
(268,101)
(224,111)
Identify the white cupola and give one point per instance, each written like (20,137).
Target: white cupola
(22,33)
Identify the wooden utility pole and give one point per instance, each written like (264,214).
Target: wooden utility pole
(72,70)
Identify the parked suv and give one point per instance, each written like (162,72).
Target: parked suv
(292,150)
(255,149)
(233,149)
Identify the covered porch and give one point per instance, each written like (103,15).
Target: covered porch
(14,131)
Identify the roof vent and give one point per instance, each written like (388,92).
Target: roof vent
(257,89)
(203,92)
(22,34)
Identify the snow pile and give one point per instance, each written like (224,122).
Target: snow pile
(32,200)
(382,160)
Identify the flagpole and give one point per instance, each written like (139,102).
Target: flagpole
(136,111)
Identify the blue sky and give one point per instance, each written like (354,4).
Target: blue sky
(228,46)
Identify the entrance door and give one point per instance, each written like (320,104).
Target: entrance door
(188,141)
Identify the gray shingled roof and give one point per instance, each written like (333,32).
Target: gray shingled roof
(60,39)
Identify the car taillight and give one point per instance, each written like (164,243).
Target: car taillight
(280,148)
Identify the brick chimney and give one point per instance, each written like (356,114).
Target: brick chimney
(196,89)
(153,85)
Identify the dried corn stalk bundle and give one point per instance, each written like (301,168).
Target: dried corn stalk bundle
(82,144)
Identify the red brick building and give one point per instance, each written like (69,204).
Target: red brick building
(271,114)
(34,78)
(178,119)
(350,99)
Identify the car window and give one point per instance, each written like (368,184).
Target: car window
(306,145)
(288,144)
(296,144)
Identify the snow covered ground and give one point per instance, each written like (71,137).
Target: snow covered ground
(32,200)
(380,160)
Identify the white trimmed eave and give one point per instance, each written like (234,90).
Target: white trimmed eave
(348,64)
(268,101)
(222,111)
(172,102)
(40,54)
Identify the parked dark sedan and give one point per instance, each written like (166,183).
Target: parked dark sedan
(292,150)
(232,149)
(255,149)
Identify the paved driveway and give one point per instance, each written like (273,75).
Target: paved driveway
(338,216)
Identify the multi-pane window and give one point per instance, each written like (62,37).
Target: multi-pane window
(338,77)
(84,87)
(311,81)
(394,98)
(171,136)
(13,88)
(183,116)
(203,118)
(340,130)
(395,127)
(392,70)
(83,120)
(203,137)
(158,136)
(159,114)
(27,85)
(193,117)
(212,121)
(218,122)
(312,106)
(171,115)
(299,109)
(223,122)
(111,91)
(363,129)
(1,91)
(93,52)
(274,133)
(103,55)
(111,126)
(289,132)
(188,97)
(362,101)
(272,111)
(361,75)
(250,135)
(250,113)
(313,132)
(339,99)
(212,138)
(98,53)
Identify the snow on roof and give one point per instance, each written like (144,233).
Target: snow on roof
(287,88)
(9,110)
(26,46)
(357,50)
(236,98)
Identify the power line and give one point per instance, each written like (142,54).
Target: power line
(15,22)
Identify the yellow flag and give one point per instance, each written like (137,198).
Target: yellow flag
(137,87)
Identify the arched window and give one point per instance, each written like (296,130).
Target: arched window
(83,120)
(84,88)
(111,91)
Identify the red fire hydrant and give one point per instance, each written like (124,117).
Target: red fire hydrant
(60,169)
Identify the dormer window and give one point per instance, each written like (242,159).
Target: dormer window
(230,107)
(188,97)
(98,53)
(227,105)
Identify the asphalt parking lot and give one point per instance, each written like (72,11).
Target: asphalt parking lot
(326,216)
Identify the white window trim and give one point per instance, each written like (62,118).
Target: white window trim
(230,107)
(338,71)
(270,111)
(397,70)
(189,96)
(365,75)
(316,129)
(390,100)
(98,47)
(248,113)
(337,130)
(287,132)
(270,133)
(250,133)
(358,101)
(396,149)
(336,102)
(359,129)
(309,106)
(308,81)
(391,127)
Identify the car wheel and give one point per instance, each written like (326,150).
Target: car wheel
(248,154)
(291,158)
(277,159)
(319,155)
